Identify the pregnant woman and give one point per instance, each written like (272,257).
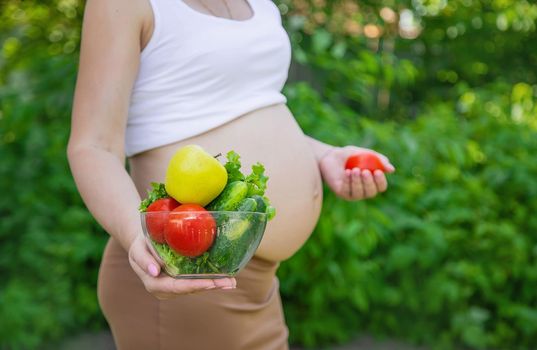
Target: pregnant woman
(155,75)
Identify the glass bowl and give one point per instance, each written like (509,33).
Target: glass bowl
(203,244)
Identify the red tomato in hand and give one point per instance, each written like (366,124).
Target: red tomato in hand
(190,230)
(369,161)
(156,221)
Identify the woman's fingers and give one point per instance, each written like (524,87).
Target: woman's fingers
(164,287)
(380,180)
(388,166)
(364,184)
(140,255)
(357,187)
(345,190)
(168,287)
(370,188)
(225,283)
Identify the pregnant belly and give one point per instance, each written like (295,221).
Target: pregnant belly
(271,136)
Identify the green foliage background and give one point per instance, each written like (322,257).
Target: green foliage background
(447,257)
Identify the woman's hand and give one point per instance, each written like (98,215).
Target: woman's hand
(353,184)
(162,286)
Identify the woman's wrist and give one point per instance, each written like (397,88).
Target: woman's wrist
(128,236)
(326,153)
(320,149)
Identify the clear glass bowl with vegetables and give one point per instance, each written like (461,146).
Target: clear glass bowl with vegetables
(203,244)
(206,238)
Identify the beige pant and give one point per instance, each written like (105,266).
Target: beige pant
(249,317)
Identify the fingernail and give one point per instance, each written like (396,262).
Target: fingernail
(153,270)
(228,287)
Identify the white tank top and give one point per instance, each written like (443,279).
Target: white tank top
(199,71)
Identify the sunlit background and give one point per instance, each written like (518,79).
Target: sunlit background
(446,259)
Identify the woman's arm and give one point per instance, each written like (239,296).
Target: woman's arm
(320,149)
(355,184)
(109,61)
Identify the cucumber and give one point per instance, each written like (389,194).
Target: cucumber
(251,236)
(229,252)
(261,205)
(247,204)
(233,241)
(238,227)
(231,196)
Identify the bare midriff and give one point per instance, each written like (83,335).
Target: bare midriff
(271,136)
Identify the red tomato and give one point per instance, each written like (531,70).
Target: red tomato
(190,230)
(369,161)
(156,221)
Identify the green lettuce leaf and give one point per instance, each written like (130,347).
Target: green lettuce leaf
(257,180)
(233,167)
(157,191)
(170,258)
(178,264)
(271,212)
